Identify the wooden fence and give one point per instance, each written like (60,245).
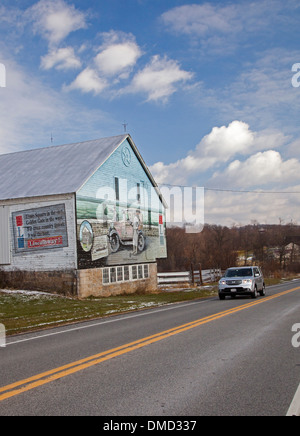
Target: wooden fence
(191,277)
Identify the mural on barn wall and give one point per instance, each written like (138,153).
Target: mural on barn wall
(120,219)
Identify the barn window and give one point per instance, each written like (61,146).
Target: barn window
(125,273)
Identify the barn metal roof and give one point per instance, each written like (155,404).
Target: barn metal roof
(57,169)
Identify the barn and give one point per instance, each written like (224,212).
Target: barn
(82,219)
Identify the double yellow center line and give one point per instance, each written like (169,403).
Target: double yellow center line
(71,368)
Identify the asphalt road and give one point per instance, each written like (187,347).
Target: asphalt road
(201,358)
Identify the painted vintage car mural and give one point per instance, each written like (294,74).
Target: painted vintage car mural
(120,235)
(128,231)
(120,218)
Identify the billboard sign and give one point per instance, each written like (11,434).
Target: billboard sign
(41,228)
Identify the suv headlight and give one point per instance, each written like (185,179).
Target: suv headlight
(247,282)
(222,282)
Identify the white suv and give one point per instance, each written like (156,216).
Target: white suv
(246,280)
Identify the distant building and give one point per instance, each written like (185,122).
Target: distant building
(81,219)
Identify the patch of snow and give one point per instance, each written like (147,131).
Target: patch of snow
(23,292)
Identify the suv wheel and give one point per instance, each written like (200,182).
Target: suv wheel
(254,294)
(263,291)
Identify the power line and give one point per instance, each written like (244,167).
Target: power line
(232,190)
(251,192)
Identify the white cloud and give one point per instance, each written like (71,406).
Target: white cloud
(115,60)
(55,19)
(222,28)
(227,141)
(202,19)
(242,208)
(261,169)
(218,147)
(224,142)
(61,59)
(209,19)
(159,79)
(88,81)
(118,58)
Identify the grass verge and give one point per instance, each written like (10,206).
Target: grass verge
(23,311)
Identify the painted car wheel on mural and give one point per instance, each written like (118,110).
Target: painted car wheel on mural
(86,236)
(141,242)
(114,241)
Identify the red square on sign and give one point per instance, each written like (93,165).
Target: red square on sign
(160,219)
(19,220)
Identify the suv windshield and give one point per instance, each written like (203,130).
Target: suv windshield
(243,272)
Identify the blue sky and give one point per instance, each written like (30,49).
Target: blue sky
(205,89)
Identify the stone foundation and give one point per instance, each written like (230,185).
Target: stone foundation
(58,282)
(80,283)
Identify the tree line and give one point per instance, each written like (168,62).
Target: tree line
(273,247)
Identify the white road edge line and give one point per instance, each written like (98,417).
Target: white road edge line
(294,409)
(124,317)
